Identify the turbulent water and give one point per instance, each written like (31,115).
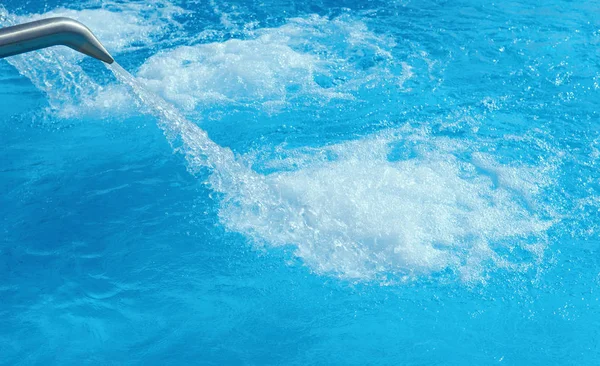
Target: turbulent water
(445,151)
(361,214)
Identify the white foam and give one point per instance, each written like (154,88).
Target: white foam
(362,216)
(316,57)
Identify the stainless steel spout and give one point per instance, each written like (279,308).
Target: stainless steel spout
(51,32)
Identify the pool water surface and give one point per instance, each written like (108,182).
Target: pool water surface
(321,182)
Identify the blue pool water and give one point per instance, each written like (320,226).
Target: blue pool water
(320,182)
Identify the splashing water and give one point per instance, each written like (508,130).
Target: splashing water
(356,209)
(198,148)
(362,215)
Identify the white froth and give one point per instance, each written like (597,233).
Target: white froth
(316,57)
(362,216)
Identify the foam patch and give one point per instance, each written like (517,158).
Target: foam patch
(362,215)
(315,58)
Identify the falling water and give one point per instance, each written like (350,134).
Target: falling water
(199,150)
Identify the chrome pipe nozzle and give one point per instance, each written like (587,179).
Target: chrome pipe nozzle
(51,32)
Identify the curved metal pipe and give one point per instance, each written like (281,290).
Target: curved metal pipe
(51,32)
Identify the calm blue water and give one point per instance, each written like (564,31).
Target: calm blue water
(391,182)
